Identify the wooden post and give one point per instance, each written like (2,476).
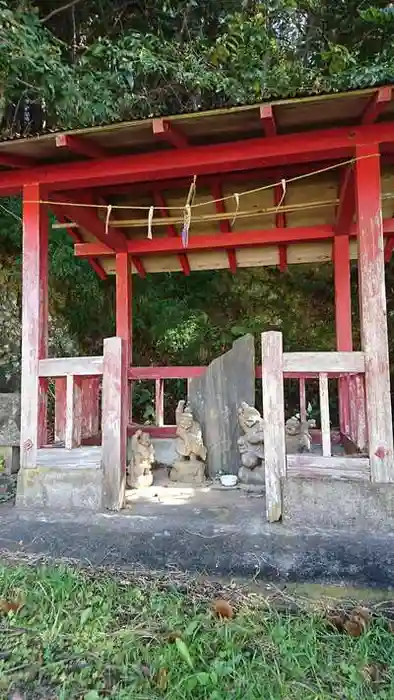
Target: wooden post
(343,319)
(60,408)
(114,423)
(373,315)
(73,412)
(302,400)
(325,414)
(274,422)
(34,325)
(90,407)
(124,318)
(159,402)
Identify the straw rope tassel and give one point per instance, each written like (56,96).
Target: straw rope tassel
(109,209)
(150,220)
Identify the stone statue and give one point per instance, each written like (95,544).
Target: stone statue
(189,467)
(139,473)
(298,437)
(251,446)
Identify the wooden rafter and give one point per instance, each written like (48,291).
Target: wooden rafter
(165,130)
(82,147)
(377,104)
(88,220)
(268,120)
(347,202)
(224,224)
(11,161)
(77,238)
(161,205)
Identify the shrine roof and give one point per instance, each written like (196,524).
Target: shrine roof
(201,128)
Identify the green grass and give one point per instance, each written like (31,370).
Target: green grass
(92,635)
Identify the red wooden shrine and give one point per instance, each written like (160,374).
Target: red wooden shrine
(290,182)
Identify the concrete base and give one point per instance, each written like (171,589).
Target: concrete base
(328,503)
(11,456)
(60,489)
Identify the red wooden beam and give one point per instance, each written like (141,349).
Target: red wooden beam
(217,158)
(347,202)
(80,146)
(12,161)
(172,231)
(166,131)
(224,224)
(373,313)
(232,260)
(124,303)
(77,238)
(376,105)
(138,266)
(239,239)
(268,120)
(87,219)
(34,325)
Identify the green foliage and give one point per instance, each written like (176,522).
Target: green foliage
(99,62)
(92,635)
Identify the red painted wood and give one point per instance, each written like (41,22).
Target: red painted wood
(124,303)
(374,336)
(232,260)
(87,219)
(81,146)
(169,132)
(153,373)
(165,431)
(90,425)
(13,161)
(347,203)
(224,224)
(77,238)
(60,409)
(216,158)
(160,203)
(377,104)
(268,120)
(343,319)
(114,423)
(34,325)
(238,239)
(139,266)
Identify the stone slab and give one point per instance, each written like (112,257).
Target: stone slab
(60,489)
(11,456)
(215,397)
(331,504)
(10,419)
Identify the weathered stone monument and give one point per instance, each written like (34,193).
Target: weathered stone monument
(139,472)
(189,467)
(214,399)
(251,446)
(10,416)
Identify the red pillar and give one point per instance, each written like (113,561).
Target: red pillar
(373,315)
(124,316)
(343,319)
(34,325)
